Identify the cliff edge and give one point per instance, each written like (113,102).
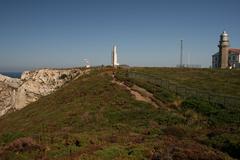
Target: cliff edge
(17,93)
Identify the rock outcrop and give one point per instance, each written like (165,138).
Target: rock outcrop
(17,93)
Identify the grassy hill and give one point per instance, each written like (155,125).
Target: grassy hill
(224,82)
(92,118)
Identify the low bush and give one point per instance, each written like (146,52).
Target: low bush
(216,114)
(22,145)
(9,137)
(229,143)
(165,95)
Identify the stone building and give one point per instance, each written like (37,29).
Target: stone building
(226,57)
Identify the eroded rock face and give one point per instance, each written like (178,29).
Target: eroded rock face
(17,93)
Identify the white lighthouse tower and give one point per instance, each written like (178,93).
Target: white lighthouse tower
(114,57)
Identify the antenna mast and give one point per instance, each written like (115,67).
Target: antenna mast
(181,54)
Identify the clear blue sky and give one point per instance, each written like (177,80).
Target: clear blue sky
(61,33)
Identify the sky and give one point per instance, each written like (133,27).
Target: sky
(61,33)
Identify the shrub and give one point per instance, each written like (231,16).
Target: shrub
(216,114)
(111,152)
(175,131)
(63,76)
(22,145)
(9,137)
(168,118)
(165,95)
(227,143)
(199,106)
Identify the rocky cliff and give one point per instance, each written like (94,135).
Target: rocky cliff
(17,93)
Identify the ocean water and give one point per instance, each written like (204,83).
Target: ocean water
(12,74)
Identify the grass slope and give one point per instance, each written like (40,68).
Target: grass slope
(223,121)
(91,118)
(224,82)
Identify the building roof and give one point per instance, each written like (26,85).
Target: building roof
(234,50)
(216,54)
(224,33)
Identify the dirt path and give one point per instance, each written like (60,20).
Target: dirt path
(140,94)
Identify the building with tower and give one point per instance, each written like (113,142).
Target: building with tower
(114,57)
(226,57)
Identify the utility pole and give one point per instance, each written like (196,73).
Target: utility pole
(188,60)
(181,54)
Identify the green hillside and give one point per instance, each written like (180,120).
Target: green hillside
(224,82)
(92,118)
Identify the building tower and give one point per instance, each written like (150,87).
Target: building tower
(223,50)
(114,56)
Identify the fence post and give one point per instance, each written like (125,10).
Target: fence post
(187,92)
(70,153)
(224,101)
(127,74)
(209,98)
(184,93)
(166,84)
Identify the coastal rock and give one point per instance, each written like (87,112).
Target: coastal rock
(12,82)
(7,97)
(17,93)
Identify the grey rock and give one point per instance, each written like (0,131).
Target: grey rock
(16,93)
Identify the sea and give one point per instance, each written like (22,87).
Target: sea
(12,74)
